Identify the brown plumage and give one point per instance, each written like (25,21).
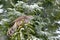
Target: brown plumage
(18,22)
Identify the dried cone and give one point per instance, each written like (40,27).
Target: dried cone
(18,22)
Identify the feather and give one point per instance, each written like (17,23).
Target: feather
(18,22)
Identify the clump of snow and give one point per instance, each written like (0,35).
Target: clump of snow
(34,6)
(41,7)
(7,20)
(58,35)
(58,32)
(1,22)
(53,37)
(1,10)
(1,6)
(57,22)
(25,6)
(28,7)
(19,3)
